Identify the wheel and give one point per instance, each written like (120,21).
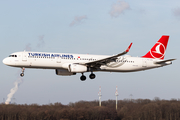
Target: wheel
(22,74)
(83,78)
(92,76)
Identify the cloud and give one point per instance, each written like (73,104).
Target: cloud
(40,42)
(176,12)
(39,45)
(78,20)
(142,11)
(118,8)
(28,47)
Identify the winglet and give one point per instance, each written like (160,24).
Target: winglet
(127,50)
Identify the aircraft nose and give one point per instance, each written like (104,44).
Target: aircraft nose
(5,61)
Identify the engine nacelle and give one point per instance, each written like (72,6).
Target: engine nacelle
(64,72)
(77,68)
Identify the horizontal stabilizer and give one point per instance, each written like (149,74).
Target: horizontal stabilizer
(164,61)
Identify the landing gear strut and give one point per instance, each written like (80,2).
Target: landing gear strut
(83,78)
(92,76)
(22,74)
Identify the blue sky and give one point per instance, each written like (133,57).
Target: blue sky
(89,26)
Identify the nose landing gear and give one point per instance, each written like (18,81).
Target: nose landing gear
(22,74)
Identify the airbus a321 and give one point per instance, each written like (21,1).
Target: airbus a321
(66,64)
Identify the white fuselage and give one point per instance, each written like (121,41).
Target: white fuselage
(45,60)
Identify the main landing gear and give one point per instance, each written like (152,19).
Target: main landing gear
(91,76)
(83,78)
(22,74)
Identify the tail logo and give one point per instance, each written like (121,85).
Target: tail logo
(158,50)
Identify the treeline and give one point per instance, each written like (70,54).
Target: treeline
(139,109)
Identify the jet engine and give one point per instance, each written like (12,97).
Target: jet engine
(64,72)
(76,68)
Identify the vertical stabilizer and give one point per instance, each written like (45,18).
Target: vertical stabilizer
(158,50)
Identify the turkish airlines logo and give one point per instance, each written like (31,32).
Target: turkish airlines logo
(158,50)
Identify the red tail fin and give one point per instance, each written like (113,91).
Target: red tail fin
(158,50)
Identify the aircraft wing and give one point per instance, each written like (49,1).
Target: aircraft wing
(104,61)
(164,61)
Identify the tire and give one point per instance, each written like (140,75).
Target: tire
(22,74)
(92,76)
(83,78)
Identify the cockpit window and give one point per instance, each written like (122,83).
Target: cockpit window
(12,55)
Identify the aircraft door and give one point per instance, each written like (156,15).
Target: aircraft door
(24,56)
(144,63)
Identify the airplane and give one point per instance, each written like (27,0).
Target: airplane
(67,64)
